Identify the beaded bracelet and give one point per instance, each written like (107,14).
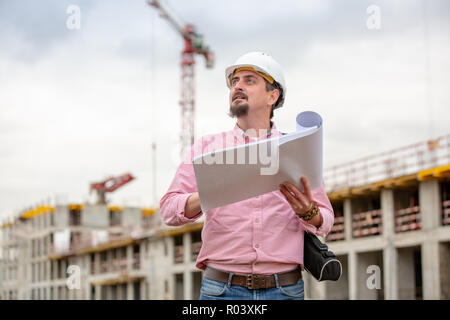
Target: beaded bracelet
(311,213)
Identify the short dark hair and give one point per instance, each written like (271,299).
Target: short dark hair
(273,86)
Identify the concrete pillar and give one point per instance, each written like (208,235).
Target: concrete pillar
(47,271)
(430,204)
(85,285)
(390,261)
(86,288)
(187,274)
(430,214)
(129,257)
(187,248)
(108,294)
(430,270)
(307,284)
(63,292)
(130,291)
(311,287)
(70,293)
(143,288)
(388,213)
(348,219)
(43,270)
(170,248)
(390,268)
(320,289)
(98,293)
(63,269)
(353,275)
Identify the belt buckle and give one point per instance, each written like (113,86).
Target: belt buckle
(254,281)
(249,281)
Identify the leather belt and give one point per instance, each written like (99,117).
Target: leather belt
(255,281)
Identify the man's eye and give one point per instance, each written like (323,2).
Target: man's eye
(233,82)
(250,80)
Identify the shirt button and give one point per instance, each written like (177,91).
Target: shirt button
(257,220)
(257,246)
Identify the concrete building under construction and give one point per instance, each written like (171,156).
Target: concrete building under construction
(391,234)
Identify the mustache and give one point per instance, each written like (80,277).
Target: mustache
(239,94)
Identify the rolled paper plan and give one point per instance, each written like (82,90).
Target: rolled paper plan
(241,172)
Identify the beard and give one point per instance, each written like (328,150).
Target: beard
(238,110)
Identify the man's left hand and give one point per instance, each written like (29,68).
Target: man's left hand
(300,202)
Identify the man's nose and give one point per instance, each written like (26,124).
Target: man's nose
(238,86)
(237,89)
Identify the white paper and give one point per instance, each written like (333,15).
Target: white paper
(242,172)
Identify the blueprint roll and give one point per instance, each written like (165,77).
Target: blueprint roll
(266,164)
(308,119)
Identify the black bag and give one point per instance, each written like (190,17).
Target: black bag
(319,261)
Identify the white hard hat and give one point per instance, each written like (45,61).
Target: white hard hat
(263,63)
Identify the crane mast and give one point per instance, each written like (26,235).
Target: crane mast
(193,44)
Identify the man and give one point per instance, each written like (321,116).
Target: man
(252,249)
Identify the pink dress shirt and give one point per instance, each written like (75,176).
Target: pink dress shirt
(260,235)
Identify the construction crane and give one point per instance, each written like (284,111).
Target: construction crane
(110,184)
(193,43)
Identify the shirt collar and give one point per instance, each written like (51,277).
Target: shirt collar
(273,132)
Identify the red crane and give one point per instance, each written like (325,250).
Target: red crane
(110,184)
(193,43)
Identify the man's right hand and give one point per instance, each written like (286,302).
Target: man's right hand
(192,207)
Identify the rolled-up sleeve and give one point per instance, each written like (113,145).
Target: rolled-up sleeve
(173,203)
(326,210)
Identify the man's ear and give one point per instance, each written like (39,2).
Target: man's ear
(274,95)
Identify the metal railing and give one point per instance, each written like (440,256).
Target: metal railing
(366,223)
(390,164)
(338,230)
(178,254)
(407,219)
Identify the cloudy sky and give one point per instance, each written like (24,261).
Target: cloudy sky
(78,105)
